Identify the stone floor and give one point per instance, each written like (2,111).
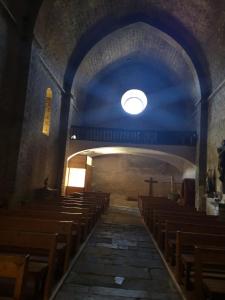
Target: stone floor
(119,262)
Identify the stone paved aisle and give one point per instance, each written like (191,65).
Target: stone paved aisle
(119,262)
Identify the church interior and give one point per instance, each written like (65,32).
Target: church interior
(112,160)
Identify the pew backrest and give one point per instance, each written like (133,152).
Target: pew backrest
(64,230)
(34,244)
(14,266)
(189,240)
(205,256)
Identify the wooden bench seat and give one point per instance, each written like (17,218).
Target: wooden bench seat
(100,198)
(87,211)
(210,257)
(67,235)
(160,227)
(13,266)
(39,244)
(171,227)
(94,207)
(78,218)
(186,228)
(214,287)
(185,243)
(148,204)
(103,196)
(160,217)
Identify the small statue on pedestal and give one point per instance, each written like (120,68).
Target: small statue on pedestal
(221,163)
(210,183)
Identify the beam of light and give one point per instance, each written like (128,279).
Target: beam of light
(134,101)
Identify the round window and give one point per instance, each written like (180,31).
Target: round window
(134,102)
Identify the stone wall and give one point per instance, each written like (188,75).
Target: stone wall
(3,45)
(216,101)
(124,176)
(216,129)
(3,104)
(38,157)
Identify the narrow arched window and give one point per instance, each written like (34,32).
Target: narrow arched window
(47,113)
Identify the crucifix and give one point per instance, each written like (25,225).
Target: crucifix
(150,182)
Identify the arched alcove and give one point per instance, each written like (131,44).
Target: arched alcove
(122,171)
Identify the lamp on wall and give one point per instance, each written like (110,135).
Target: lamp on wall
(73,137)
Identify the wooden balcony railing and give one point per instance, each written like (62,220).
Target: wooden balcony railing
(185,138)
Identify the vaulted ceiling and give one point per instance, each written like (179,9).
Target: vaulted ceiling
(143,57)
(172,49)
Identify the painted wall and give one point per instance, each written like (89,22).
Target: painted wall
(124,176)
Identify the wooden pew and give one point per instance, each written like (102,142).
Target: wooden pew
(159,228)
(148,204)
(211,260)
(14,266)
(76,207)
(168,207)
(94,207)
(156,215)
(185,242)
(171,227)
(64,229)
(100,198)
(78,218)
(88,216)
(61,203)
(35,244)
(160,216)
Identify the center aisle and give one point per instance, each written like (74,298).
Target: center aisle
(119,262)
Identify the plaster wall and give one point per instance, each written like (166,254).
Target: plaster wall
(184,152)
(124,176)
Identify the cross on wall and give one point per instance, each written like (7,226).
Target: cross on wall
(151,181)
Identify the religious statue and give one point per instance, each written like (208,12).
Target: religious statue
(210,182)
(221,163)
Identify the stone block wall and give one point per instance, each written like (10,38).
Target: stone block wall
(216,129)
(3,57)
(3,44)
(38,157)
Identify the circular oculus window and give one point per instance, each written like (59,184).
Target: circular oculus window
(134,101)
